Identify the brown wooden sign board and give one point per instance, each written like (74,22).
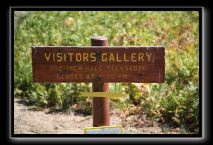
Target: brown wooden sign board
(92,63)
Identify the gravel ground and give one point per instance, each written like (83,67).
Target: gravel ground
(27,121)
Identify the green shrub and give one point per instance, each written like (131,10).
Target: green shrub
(179,97)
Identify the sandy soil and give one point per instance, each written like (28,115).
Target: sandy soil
(27,121)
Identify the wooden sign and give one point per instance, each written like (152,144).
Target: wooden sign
(98,63)
(104,130)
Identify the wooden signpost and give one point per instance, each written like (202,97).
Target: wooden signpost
(99,64)
(90,64)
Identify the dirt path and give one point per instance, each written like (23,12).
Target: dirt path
(27,121)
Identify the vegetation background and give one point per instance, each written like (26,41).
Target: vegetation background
(174,103)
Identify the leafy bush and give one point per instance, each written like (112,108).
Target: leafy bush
(179,97)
